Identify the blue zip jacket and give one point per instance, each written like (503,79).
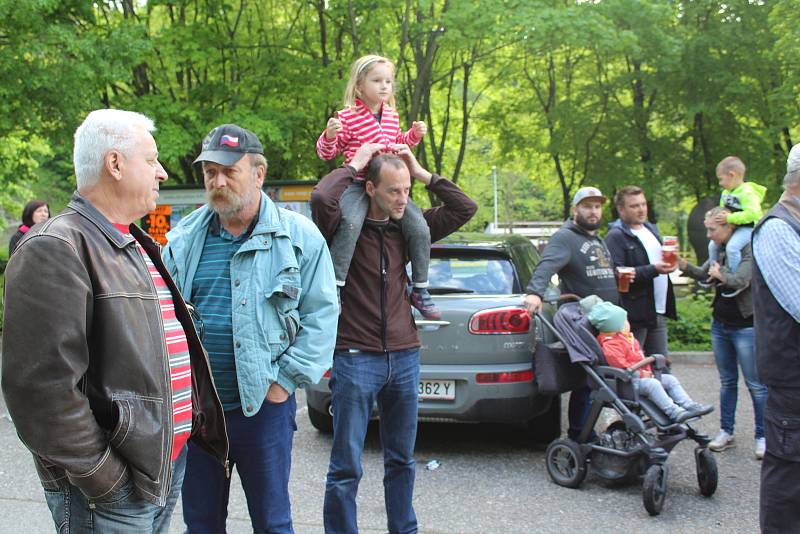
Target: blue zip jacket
(285,308)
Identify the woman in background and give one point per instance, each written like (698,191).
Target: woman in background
(35,211)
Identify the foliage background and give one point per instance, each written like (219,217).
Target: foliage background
(692,330)
(555,93)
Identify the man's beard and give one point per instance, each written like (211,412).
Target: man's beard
(586,225)
(226,203)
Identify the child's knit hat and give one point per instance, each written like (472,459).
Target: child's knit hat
(587,303)
(607,317)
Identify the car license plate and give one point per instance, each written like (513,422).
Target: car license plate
(437,390)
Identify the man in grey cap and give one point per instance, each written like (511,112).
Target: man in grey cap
(584,267)
(261,278)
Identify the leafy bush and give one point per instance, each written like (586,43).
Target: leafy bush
(692,330)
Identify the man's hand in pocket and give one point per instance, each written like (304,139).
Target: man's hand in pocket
(276,393)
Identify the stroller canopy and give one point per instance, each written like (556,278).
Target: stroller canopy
(576,334)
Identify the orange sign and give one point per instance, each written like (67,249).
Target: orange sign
(295,193)
(156,223)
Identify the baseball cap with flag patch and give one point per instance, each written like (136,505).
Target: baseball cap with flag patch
(227,144)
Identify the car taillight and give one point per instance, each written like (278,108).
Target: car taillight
(510,320)
(504,378)
(327,374)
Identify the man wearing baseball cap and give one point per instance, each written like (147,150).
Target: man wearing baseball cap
(583,264)
(261,278)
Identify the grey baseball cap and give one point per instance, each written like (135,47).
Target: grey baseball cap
(227,144)
(587,192)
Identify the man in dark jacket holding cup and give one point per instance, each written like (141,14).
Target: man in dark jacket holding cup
(635,243)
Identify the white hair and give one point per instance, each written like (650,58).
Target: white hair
(792,177)
(101,131)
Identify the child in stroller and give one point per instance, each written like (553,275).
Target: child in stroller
(622,350)
(637,445)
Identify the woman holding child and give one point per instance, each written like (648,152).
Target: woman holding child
(731,330)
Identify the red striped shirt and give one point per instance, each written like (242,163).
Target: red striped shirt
(178,352)
(359,127)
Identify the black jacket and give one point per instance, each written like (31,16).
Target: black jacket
(85,369)
(777,332)
(14,241)
(626,249)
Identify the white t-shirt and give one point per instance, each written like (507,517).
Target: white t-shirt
(653,248)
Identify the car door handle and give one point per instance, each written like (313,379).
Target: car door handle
(427,325)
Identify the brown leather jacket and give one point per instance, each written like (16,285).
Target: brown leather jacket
(85,369)
(376,312)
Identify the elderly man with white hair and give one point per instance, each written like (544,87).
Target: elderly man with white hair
(776,292)
(103,373)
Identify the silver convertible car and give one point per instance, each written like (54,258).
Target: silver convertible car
(475,362)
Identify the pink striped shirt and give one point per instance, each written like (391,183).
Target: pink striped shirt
(178,352)
(359,127)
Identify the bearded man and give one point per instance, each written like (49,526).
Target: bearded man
(262,280)
(584,267)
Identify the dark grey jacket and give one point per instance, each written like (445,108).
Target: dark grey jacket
(85,369)
(581,261)
(738,280)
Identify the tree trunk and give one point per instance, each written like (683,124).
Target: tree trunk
(641,119)
(464,122)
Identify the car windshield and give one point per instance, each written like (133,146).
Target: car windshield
(471,275)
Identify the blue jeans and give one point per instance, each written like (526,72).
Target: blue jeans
(733,348)
(733,248)
(354,205)
(261,450)
(578,411)
(357,381)
(121,512)
(666,393)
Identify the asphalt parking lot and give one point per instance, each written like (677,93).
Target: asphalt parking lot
(489,480)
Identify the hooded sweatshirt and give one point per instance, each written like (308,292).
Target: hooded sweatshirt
(745,203)
(581,261)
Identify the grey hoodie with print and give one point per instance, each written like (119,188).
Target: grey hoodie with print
(581,261)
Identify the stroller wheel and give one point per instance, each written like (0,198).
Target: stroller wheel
(654,488)
(566,464)
(707,473)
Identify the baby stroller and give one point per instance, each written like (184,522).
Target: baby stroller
(637,444)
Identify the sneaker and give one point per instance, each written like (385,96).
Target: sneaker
(697,409)
(721,442)
(681,415)
(761,448)
(708,283)
(731,294)
(421,300)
